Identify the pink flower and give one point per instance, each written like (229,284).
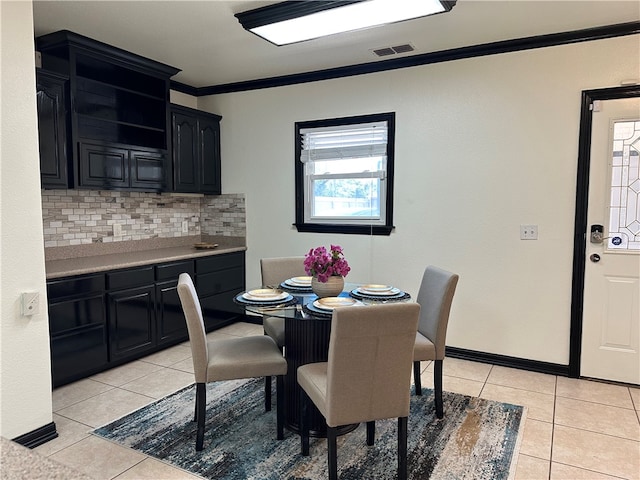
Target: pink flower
(322,264)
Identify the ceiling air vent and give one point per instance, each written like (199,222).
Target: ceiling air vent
(386,51)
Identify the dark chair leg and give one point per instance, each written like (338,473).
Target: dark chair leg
(201,404)
(332,452)
(195,410)
(267,393)
(280,406)
(303,421)
(437,383)
(416,378)
(402,448)
(371,432)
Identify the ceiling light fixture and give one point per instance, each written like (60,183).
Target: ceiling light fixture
(298,20)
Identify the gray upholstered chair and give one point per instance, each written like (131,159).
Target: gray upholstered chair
(214,360)
(274,272)
(367,376)
(435,297)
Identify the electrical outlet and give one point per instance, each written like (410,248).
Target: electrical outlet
(528,232)
(30,303)
(117,230)
(185,226)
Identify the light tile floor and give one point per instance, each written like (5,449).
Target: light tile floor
(575,429)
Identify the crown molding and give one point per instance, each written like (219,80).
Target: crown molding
(493,48)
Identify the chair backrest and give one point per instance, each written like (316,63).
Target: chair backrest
(369,365)
(277,270)
(435,297)
(195,325)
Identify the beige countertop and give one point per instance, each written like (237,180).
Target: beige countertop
(19,462)
(118,255)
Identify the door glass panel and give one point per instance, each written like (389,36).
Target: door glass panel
(624,193)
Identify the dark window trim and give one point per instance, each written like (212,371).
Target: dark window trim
(493,48)
(300,224)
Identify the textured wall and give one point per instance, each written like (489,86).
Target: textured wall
(75,217)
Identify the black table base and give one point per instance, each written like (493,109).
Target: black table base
(306,341)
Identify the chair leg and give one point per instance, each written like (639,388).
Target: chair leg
(303,422)
(371,432)
(201,403)
(416,378)
(402,448)
(437,383)
(280,406)
(332,452)
(267,393)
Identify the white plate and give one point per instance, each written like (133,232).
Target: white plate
(261,295)
(384,293)
(375,287)
(299,281)
(329,303)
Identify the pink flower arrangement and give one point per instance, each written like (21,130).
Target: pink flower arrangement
(322,264)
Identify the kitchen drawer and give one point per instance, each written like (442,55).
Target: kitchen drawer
(132,277)
(169,271)
(78,354)
(76,312)
(75,286)
(219,262)
(217,282)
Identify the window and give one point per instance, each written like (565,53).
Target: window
(624,209)
(344,175)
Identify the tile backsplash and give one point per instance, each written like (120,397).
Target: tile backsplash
(78,217)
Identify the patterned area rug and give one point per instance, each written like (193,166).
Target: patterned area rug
(477,438)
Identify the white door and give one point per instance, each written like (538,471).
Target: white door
(611,312)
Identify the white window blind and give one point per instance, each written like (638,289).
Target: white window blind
(344,142)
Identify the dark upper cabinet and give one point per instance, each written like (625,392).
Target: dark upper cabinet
(196,151)
(52,98)
(120,131)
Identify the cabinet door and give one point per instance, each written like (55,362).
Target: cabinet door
(132,322)
(148,170)
(209,138)
(218,279)
(102,166)
(172,326)
(77,327)
(52,130)
(185,153)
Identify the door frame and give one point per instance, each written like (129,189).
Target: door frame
(580,224)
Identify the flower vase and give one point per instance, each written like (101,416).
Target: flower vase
(331,288)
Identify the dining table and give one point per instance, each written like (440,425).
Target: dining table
(307,321)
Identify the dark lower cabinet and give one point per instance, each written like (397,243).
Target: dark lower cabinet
(132,325)
(77,327)
(172,327)
(101,320)
(218,280)
(131,304)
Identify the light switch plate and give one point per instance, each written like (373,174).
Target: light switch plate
(30,303)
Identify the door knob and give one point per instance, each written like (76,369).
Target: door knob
(595,258)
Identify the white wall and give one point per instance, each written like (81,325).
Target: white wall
(25,370)
(482,146)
